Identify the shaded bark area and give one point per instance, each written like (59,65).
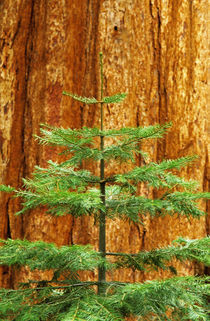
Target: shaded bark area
(154,50)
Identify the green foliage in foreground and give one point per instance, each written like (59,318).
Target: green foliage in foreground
(66,188)
(171,299)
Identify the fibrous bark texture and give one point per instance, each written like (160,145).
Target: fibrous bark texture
(155,50)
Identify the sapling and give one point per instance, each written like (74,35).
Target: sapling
(67,189)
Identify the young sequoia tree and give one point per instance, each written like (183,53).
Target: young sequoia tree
(64,188)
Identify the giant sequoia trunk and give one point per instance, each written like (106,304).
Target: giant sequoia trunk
(154,50)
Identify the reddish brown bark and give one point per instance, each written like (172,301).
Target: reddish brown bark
(155,51)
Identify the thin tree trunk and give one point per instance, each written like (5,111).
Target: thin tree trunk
(154,50)
(102,216)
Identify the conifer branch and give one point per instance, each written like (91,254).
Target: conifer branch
(156,175)
(61,202)
(6,188)
(184,249)
(105,100)
(84,100)
(124,204)
(45,256)
(182,297)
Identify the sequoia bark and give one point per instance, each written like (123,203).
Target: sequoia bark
(154,50)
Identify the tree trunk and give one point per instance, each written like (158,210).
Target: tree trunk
(154,50)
